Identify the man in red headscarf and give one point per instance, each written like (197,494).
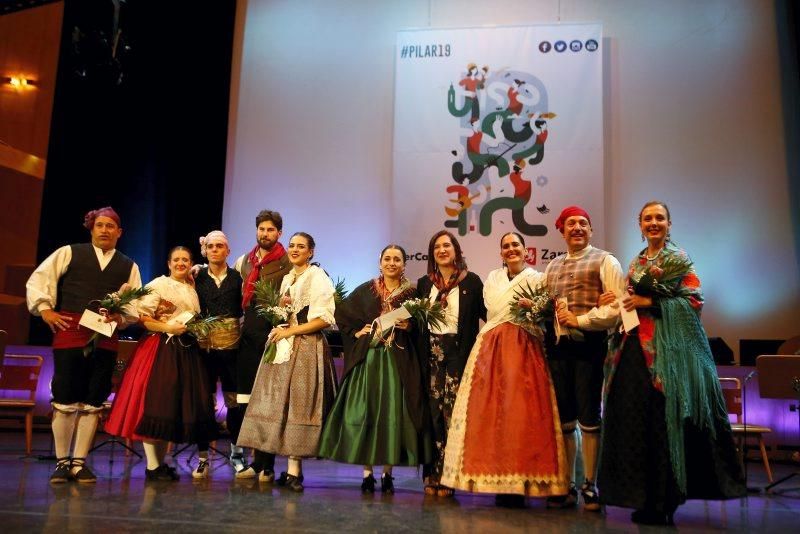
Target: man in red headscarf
(72,279)
(577,279)
(267,261)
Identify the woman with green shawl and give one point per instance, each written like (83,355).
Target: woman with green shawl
(666,436)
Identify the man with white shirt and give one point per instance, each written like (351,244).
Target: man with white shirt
(576,345)
(70,280)
(219,289)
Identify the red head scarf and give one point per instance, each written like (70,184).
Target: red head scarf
(568,212)
(108,211)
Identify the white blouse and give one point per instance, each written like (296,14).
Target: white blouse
(450,312)
(169,298)
(312,288)
(499,291)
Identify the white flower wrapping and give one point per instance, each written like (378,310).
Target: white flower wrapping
(283,350)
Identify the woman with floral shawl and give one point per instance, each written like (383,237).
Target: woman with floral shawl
(666,435)
(377,417)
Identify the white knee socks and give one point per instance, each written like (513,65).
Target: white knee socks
(63,428)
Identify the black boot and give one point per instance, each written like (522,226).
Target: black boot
(387,484)
(368,484)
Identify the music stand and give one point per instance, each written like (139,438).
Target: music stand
(179,450)
(779,378)
(125,351)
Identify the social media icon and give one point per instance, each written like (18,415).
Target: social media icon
(575,45)
(544,47)
(560,46)
(591,45)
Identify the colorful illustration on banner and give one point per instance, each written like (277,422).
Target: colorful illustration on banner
(503,120)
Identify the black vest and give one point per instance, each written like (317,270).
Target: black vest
(224,300)
(84,281)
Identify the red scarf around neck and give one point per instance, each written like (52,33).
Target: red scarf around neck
(445,287)
(276,253)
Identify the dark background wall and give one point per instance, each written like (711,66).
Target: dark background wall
(144,131)
(788,21)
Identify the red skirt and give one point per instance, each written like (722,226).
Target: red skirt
(128,406)
(511,414)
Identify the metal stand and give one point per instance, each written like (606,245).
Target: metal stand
(744,440)
(114,441)
(210,447)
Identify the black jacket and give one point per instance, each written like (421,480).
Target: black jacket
(471,309)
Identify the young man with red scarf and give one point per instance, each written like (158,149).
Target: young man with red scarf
(70,280)
(267,261)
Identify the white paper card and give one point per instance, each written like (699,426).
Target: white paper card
(95,321)
(630,319)
(182,318)
(388,320)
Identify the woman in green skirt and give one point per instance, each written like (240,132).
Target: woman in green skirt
(377,416)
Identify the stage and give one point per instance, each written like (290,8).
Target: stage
(121,501)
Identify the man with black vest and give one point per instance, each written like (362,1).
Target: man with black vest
(267,261)
(71,280)
(219,289)
(576,345)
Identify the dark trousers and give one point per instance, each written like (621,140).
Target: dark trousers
(79,378)
(576,368)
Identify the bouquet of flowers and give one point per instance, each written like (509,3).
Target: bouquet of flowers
(426,312)
(269,308)
(648,280)
(268,303)
(541,308)
(112,304)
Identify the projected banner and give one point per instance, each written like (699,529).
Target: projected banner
(496,130)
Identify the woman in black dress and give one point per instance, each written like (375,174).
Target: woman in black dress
(444,351)
(666,435)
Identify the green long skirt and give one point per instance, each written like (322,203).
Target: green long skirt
(369,423)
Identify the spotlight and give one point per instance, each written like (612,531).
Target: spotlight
(19,81)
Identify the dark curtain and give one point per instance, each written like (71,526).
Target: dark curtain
(140,123)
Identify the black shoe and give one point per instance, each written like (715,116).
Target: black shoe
(564,501)
(283,479)
(172,472)
(368,484)
(83,475)
(509,500)
(387,484)
(591,500)
(62,472)
(294,483)
(162,473)
(649,517)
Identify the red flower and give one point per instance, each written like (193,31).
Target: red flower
(656,271)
